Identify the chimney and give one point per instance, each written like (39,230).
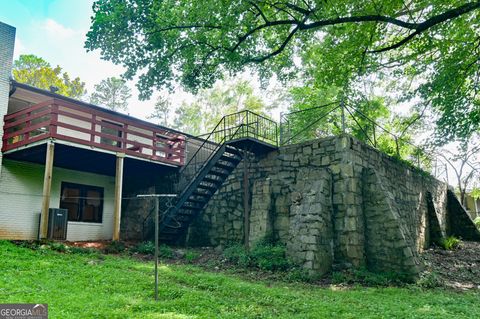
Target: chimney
(7,43)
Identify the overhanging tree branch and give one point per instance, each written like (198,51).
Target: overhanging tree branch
(433,21)
(418,28)
(277,51)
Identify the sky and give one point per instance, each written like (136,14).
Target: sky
(56,31)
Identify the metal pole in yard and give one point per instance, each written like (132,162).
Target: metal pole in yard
(156,246)
(157,232)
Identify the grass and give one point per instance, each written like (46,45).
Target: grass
(97,286)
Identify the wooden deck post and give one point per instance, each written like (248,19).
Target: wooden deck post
(117,210)
(47,186)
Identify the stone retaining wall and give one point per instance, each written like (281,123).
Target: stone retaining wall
(335,201)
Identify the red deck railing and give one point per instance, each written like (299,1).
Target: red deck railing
(88,126)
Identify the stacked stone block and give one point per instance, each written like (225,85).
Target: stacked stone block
(376,213)
(310,242)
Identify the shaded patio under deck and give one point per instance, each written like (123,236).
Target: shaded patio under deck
(87,160)
(124,169)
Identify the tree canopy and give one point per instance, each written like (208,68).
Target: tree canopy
(35,71)
(210,105)
(161,110)
(428,50)
(112,93)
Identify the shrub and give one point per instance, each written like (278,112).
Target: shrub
(429,280)
(450,243)
(81,250)
(164,251)
(299,274)
(263,255)
(58,247)
(237,254)
(146,248)
(268,256)
(191,255)
(368,278)
(114,247)
(477,222)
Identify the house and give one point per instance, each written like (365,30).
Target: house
(58,152)
(334,202)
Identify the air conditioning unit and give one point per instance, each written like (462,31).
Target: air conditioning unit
(57,223)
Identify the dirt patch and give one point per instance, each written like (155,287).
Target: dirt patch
(458,269)
(88,244)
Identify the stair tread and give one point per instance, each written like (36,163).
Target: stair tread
(218,173)
(227,167)
(230,159)
(231,150)
(195,201)
(185,218)
(207,187)
(197,193)
(189,205)
(212,180)
(189,208)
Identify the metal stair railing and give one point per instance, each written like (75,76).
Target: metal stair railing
(243,124)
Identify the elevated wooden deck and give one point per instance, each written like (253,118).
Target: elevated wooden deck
(78,124)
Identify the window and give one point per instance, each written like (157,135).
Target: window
(84,203)
(111,131)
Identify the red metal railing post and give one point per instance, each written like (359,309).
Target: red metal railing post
(53,120)
(154,144)
(26,135)
(124,136)
(93,128)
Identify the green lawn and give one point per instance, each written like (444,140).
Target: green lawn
(84,286)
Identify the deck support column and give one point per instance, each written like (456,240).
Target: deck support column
(47,187)
(117,209)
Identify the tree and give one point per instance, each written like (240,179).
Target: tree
(210,105)
(188,118)
(433,44)
(161,110)
(112,93)
(465,164)
(35,71)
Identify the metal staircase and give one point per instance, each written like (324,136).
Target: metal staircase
(211,164)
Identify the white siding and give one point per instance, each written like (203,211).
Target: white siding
(21,186)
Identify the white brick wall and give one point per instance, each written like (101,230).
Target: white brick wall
(21,186)
(7,42)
